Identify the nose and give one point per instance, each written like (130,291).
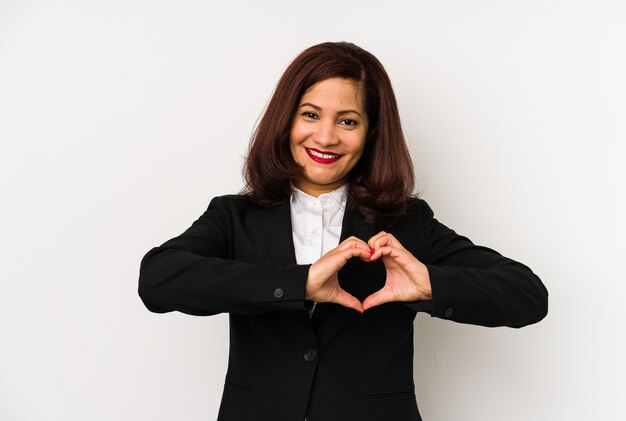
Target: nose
(326,134)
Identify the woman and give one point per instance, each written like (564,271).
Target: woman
(325,258)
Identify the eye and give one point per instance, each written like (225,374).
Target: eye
(348,122)
(310,115)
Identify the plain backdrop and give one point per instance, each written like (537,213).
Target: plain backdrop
(121,119)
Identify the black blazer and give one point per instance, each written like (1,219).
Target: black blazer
(338,365)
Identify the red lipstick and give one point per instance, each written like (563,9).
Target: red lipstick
(323,157)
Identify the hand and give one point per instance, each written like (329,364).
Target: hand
(407,277)
(322,284)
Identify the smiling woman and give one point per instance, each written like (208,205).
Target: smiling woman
(328,134)
(326,256)
(381,181)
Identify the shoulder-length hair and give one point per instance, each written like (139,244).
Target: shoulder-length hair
(381,184)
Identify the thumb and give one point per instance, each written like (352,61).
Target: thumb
(348,300)
(379,297)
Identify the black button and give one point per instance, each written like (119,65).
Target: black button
(310,355)
(449,312)
(278,293)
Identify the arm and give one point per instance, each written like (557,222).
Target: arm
(477,285)
(193,273)
(432,269)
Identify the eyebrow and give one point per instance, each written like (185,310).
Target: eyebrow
(320,109)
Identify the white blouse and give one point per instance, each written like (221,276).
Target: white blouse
(316,223)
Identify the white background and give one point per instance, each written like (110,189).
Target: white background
(120,119)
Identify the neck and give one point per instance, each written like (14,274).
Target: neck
(317,190)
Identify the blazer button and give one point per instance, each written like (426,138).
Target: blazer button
(449,312)
(278,293)
(310,355)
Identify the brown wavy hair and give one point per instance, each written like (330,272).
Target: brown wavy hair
(381,183)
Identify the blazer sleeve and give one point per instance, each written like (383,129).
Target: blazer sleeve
(476,285)
(193,274)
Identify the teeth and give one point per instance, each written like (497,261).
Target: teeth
(322,155)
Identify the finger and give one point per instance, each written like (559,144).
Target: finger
(391,251)
(379,297)
(348,254)
(398,253)
(334,261)
(373,240)
(352,242)
(364,254)
(384,239)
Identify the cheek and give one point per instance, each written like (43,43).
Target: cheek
(357,146)
(294,140)
(297,133)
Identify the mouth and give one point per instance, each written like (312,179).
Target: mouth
(323,157)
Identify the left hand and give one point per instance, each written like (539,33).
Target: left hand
(407,277)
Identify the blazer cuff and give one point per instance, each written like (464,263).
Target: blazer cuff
(289,289)
(421,306)
(439,305)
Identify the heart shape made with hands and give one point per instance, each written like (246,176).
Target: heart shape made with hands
(407,278)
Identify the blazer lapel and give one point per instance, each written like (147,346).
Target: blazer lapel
(353,225)
(275,224)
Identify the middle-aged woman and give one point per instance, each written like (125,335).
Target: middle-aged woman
(326,257)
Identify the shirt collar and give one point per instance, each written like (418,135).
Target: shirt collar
(340,196)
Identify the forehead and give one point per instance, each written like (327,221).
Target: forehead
(335,92)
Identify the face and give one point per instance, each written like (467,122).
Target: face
(327,135)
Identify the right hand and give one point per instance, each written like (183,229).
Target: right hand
(322,284)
